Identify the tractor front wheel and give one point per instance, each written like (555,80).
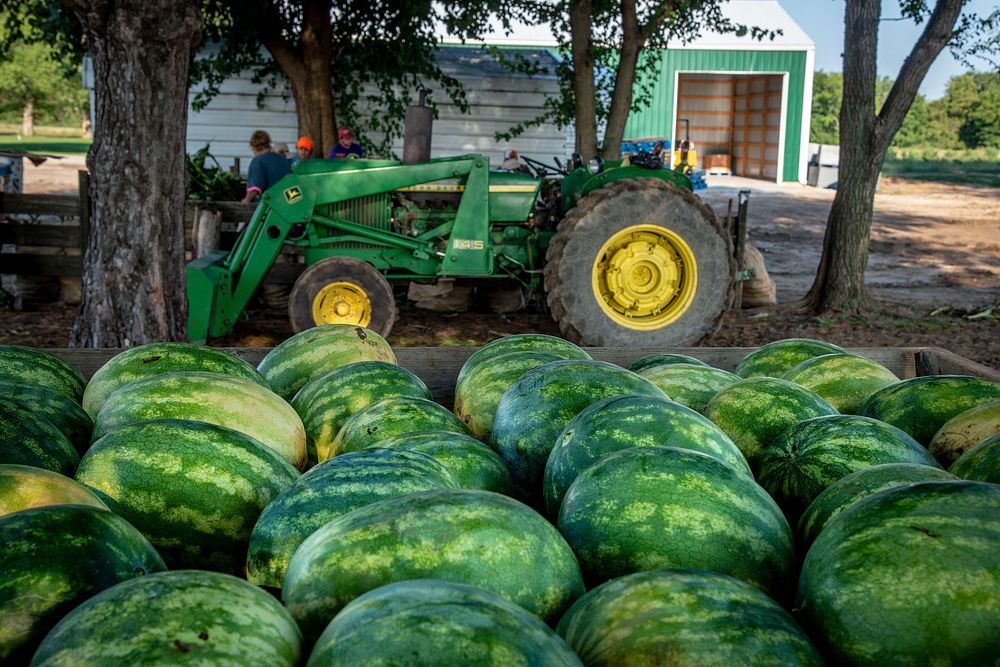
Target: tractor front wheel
(639,263)
(342,290)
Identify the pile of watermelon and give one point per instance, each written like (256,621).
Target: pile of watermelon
(185,507)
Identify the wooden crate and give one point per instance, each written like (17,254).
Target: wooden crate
(438,366)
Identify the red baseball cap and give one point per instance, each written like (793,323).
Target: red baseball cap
(345,132)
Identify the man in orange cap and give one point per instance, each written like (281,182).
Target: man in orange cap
(303,150)
(345,146)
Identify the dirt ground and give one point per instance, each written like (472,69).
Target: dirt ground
(934,270)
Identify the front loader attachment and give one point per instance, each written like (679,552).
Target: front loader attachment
(208,293)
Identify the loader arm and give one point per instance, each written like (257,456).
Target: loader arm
(221,284)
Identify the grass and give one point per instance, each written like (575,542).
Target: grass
(50,140)
(970,167)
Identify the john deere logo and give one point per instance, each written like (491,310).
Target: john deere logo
(293,194)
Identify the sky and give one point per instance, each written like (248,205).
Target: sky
(896,38)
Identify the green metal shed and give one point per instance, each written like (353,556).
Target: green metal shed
(745,104)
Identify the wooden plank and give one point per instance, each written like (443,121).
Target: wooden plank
(232,211)
(62,205)
(938,361)
(25,233)
(42,265)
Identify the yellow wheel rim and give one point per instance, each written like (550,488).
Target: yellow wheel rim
(645,277)
(342,303)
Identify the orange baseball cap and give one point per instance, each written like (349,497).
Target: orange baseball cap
(304,142)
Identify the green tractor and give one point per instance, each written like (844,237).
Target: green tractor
(625,252)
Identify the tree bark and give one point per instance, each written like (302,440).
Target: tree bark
(133,273)
(28,117)
(584,91)
(864,140)
(621,97)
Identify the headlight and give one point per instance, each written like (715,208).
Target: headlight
(595,165)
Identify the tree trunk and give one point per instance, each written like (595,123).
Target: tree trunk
(864,140)
(621,97)
(584,91)
(28,117)
(133,271)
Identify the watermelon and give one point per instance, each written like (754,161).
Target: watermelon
(62,412)
(910,575)
(621,422)
(695,617)
(658,360)
(921,405)
(479,393)
(474,465)
(544,343)
(777,358)
(185,617)
(194,489)
(25,487)
(964,431)
(981,463)
(648,508)
(55,557)
(691,385)
(317,351)
(843,380)
(433,622)
(27,439)
(329,490)
(158,358)
(390,417)
(26,365)
(474,537)
(809,456)
(536,409)
(754,411)
(849,489)
(326,402)
(213,398)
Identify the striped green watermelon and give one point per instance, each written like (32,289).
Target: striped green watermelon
(62,412)
(434,622)
(329,490)
(317,351)
(479,392)
(391,417)
(964,431)
(543,343)
(843,380)
(30,366)
(658,360)
(194,489)
(27,439)
(807,457)
(326,402)
(536,409)
(691,385)
(474,465)
(213,398)
(921,405)
(849,489)
(621,422)
(683,617)
(25,487)
(474,537)
(910,575)
(777,358)
(981,463)
(158,358)
(648,508)
(175,618)
(754,411)
(52,559)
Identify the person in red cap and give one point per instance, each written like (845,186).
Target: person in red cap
(345,146)
(303,150)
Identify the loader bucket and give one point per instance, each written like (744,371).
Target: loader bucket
(208,281)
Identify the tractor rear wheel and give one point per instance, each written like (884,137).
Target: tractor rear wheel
(639,263)
(342,290)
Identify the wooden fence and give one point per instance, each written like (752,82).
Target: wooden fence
(49,232)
